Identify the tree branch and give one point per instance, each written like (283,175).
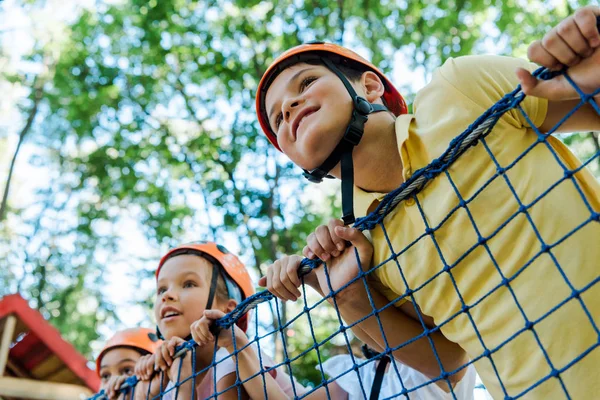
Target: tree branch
(37,97)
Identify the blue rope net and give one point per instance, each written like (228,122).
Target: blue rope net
(474,135)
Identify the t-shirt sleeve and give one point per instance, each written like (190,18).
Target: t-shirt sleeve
(470,85)
(224,365)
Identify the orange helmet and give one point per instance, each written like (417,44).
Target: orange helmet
(140,339)
(313,51)
(234,272)
(332,56)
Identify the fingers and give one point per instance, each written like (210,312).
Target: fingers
(340,243)
(201,331)
(358,240)
(587,23)
(555,45)
(213,315)
(288,275)
(144,367)
(324,243)
(570,33)
(164,357)
(262,281)
(114,386)
(568,43)
(539,55)
(555,89)
(279,282)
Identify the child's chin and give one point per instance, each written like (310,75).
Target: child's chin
(169,333)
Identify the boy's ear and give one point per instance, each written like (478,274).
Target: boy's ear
(231,305)
(372,85)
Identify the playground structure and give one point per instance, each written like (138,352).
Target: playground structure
(35,361)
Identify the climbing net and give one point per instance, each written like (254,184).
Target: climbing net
(474,136)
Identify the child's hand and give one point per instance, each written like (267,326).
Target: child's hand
(164,361)
(324,242)
(282,278)
(344,268)
(574,43)
(144,367)
(202,335)
(144,370)
(585,75)
(569,42)
(111,389)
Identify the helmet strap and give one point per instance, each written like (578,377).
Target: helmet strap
(214,280)
(343,151)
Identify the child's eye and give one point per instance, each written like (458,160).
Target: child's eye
(306,81)
(161,290)
(127,371)
(105,377)
(188,284)
(278,120)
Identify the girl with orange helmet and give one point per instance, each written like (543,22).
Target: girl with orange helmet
(116,361)
(195,280)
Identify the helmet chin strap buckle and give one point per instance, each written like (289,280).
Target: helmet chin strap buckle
(362,106)
(316,175)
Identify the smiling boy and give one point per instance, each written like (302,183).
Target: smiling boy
(492,247)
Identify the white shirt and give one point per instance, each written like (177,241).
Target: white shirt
(391,385)
(226,365)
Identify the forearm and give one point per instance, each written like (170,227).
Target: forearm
(354,305)
(184,391)
(248,366)
(585,119)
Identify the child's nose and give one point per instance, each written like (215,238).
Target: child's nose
(289,109)
(168,294)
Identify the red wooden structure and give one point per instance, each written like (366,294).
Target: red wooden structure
(35,361)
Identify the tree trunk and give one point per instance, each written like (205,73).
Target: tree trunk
(37,96)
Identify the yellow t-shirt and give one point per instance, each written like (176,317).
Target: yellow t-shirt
(460,91)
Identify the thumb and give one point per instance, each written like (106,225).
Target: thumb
(557,88)
(262,282)
(213,314)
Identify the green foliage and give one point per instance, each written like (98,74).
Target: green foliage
(147,119)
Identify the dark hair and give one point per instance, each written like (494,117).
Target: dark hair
(351,70)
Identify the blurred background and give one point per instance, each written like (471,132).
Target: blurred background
(127,127)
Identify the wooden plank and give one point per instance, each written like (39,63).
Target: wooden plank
(39,390)
(62,375)
(49,366)
(7,338)
(17,370)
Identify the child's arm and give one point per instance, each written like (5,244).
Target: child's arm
(247,361)
(144,370)
(574,43)
(227,389)
(164,361)
(399,328)
(353,304)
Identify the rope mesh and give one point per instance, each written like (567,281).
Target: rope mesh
(475,135)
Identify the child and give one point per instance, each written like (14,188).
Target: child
(195,280)
(282,280)
(463,242)
(116,361)
(376,380)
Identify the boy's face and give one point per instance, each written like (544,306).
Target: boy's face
(118,361)
(309,109)
(182,293)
